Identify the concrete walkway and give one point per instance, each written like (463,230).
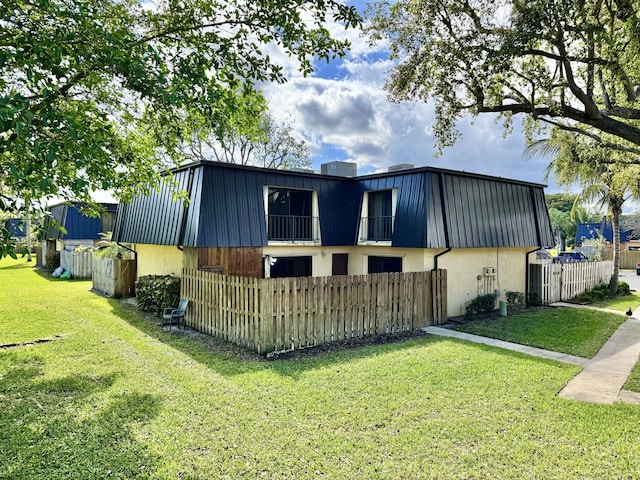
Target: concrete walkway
(602,377)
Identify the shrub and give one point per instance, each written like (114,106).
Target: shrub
(53,261)
(515,301)
(623,289)
(154,293)
(480,304)
(602,292)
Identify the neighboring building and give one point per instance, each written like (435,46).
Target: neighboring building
(271,223)
(587,232)
(79,229)
(16,229)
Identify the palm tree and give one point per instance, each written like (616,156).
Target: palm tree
(605,177)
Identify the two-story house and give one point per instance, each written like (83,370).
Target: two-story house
(258,222)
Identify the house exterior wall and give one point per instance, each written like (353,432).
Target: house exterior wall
(466,279)
(413,259)
(158,260)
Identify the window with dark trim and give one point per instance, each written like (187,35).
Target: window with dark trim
(385,264)
(339,264)
(290,267)
(108,220)
(289,214)
(379,215)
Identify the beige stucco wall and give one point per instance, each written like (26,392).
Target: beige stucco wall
(413,259)
(158,260)
(466,279)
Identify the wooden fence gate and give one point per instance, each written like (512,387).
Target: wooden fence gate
(270,315)
(114,277)
(555,282)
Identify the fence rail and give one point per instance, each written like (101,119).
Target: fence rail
(287,313)
(78,262)
(555,282)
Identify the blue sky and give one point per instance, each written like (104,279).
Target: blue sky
(343,112)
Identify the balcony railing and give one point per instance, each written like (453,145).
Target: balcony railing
(376,229)
(291,228)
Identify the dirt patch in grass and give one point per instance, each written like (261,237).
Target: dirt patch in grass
(30,343)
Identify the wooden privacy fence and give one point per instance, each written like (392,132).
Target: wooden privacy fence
(555,282)
(269,315)
(628,258)
(78,262)
(114,277)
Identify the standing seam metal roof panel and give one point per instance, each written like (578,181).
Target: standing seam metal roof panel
(435,209)
(483,213)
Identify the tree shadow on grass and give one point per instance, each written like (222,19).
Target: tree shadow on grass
(228,359)
(42,436)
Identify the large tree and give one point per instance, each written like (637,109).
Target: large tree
(573,64)
(78,78)
(94,94)
(252,137)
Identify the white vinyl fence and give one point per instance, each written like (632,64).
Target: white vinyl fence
(78,262)
(555,282)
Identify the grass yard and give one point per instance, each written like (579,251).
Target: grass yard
(621,304)
(115,397)
(576,331)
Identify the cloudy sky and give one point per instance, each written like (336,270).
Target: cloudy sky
(343,112)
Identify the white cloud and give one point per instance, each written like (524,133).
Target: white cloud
(347,112)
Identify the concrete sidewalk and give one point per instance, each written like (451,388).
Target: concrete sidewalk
(602,377)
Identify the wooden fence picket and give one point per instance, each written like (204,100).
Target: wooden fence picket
(280,314)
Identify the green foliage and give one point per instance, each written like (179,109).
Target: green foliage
(52,259)
(113,251)
(603,292)
(560,201)
(154,293)
(94,94)
(480,305)
(623,289)
(252,137)
(465,58)
(515,301)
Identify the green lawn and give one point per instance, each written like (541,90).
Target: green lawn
(576,331)
(116,397)
(620,303)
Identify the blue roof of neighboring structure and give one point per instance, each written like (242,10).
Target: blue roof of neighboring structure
(590,231)
(77,225)
(435,208)
(16,228)
(587,231)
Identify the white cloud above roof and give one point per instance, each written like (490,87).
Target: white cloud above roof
(343,111)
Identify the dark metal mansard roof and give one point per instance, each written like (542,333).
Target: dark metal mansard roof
(435,208)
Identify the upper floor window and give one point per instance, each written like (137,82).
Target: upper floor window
(377,216)
(290,215)
(108,219)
